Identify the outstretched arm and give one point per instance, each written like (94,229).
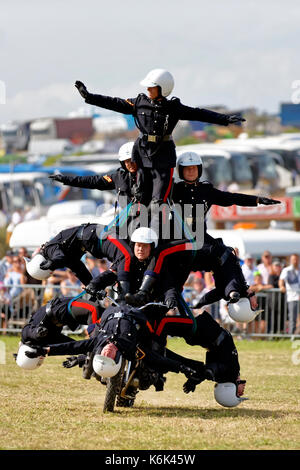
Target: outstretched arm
(114,104)
(205,115)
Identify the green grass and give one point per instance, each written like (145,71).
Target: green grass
(54,408)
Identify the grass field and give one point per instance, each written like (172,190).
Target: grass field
(54,408)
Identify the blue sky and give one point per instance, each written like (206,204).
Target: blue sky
(239,54)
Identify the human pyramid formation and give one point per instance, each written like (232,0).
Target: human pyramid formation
(157,238)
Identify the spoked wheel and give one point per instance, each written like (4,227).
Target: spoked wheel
(113,387)
(128,400)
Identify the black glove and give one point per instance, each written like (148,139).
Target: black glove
(41,332)
(194,378)
(57,177)
(82,89)
(266,201)
(74,361)
(91,290)
(39,351)
(136,192)
(187,371)
(171,302)
(94,292)
(46,265)
(234,119)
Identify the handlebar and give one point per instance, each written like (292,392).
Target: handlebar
(157,304)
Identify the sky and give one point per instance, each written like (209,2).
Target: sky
(233,53)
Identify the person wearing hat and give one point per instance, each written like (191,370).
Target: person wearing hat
(156,117)
(125,180)
(249,268)
(121,332)
(68,246)
(191,192)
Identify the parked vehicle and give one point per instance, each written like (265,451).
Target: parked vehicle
(33,189)
(77,130)
(15,135)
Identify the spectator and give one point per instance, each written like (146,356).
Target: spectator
(5,311)
(265,267)
(23,252)
(15,278)
(275,273)
(71,286)
(276,301)
(249,269)
(289,283)
(237,254)
(91,264)
(260,286)
(52,285)
(199,290)
(102,264)
(6,264)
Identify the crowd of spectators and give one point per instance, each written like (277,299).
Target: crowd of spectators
(276,282)
(262,275)
(20,294)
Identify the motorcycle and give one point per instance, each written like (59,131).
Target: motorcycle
(133,376)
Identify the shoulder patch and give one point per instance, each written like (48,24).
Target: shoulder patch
(129,102)
(107,178)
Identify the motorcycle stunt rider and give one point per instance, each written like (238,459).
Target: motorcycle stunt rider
(144,241)
(45,325)
(156,117)
(127,329)
(67,248)
(213,255)
(125,180)
(221,363)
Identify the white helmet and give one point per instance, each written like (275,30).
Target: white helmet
(226,394)
(106,366)
(189,159)
(33,267)
(161,78)
(144,235)
(26,362)
(125,151)
(241,311)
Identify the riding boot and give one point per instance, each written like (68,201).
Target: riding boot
(143,295)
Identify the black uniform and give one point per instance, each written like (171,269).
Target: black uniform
(154,150)
(173,263)
(46,323)
(67,248)
(213,255)
(125,183)
(203,192)
(222,356)
(127,328)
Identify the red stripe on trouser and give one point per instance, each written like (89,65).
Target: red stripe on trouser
(171,320)
(169,186)
(149,327)
(89,307)
(123,250)
(168,251)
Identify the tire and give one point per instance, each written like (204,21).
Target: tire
(125,402)
(113,389)
(121,401)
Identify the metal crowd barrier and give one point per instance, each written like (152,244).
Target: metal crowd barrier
(272,323)
(15,312)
